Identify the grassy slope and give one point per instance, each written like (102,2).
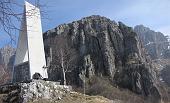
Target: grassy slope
(75,97)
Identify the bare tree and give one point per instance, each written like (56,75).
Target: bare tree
(65,56)
(9,16)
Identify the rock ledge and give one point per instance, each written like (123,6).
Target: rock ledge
(33,91)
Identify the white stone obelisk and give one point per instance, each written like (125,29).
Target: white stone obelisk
(30,55)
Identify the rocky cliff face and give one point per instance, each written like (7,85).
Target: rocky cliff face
(3,75)
(165,74)
(155,42)
(7,56)
(158,47)
(6,63)
(103,48)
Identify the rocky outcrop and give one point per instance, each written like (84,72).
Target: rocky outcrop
(7,56)
(46,92)
(33,91)
(155,42)
(166,54)
(165,74)
(6,63)
(158,47)
(4,76)
(103,48)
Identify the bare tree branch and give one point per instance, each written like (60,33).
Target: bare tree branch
(9,16)
(65,56)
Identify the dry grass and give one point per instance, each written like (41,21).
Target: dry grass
(75,97)
(102,86)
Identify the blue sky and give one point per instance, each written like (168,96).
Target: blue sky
(154,14)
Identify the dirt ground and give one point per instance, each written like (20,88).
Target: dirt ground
(75,97)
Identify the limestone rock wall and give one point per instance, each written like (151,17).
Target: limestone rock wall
(114,50)
(6,56)
(6,63)
(156,43)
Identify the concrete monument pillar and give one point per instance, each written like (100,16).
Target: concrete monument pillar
(30,55)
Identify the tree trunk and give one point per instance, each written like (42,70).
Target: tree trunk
(62,66)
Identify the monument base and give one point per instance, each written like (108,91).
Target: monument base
(21,72)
